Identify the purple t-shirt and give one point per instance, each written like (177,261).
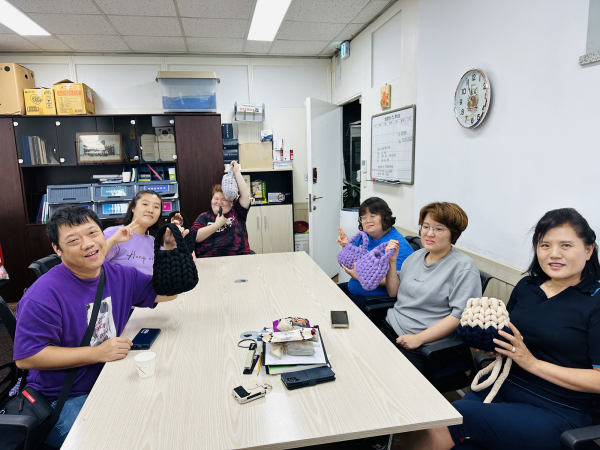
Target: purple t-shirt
(56,309)
(137,252)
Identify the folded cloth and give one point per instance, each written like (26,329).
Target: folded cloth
(299,334)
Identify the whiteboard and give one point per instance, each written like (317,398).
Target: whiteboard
(393,146)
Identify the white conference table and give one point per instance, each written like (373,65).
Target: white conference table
(187,404)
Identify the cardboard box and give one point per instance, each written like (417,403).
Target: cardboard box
(256,155)
(40,101)
(74,98)
(13,80)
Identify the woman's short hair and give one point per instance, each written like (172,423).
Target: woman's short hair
(376,205)
(132,204)
(216,188)
(449,214)
(558,218)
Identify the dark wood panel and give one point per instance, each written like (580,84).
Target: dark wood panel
(13,237)
(39,244)
(199,161)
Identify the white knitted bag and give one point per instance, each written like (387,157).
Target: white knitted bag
(229,185)
(479,325)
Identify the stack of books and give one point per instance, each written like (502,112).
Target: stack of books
(36,151)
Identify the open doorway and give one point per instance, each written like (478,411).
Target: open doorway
(351,153)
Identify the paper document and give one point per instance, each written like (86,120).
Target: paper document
(287,360)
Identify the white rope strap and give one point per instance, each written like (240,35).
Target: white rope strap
(495,369)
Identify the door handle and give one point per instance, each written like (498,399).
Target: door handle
(258,222)
(315,197)
(265,218)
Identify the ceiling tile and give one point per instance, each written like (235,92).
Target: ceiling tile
(49,43)
(12,42)
(163,8)
(74,24)
(95,43)
(57,6)
(350,31)
(309,31)
(146,26)
(227,28)
(211,45)
(331,48)
(155,44)
(297,47)
(373,8)
(211,9)
(258,47)
(4,30)
(331,11)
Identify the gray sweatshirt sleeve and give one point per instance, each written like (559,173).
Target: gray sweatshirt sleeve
(467,284)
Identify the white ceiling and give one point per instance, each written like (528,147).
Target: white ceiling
(310,27)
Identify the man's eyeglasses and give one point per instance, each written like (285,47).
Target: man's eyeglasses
(371,218)
(425,227)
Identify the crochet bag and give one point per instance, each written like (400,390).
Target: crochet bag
(229,185)
(174,270)
(187,238)
(372,267)
(352,253)
(479,325)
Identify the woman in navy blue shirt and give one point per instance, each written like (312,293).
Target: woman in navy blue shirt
(555,320)
(374,218)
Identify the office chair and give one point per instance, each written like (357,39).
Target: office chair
(43,265)
(461,369)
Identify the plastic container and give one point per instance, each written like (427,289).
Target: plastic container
(69,193)
(301,243)
(167,189)
(111,192)
(53,207)
(169,205)
(110,210)
(188,91)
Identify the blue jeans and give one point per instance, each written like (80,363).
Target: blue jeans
(66,419)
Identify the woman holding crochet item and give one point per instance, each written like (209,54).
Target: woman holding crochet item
(433,286)
(222,230)
(130,244)
(555,347)
(374,218)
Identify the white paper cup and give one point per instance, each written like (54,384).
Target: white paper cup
(145,364)
(126,177)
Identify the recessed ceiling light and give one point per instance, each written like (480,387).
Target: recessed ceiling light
(267,19)
(14,19)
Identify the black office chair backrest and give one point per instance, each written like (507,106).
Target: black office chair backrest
(485,279)
(8,369)
(43,265)
(415,242)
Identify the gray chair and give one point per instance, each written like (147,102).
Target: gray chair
(43,265)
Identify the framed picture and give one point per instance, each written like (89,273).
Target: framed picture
(97,148)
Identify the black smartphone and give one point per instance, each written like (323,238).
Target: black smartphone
(145,338)
(339,319)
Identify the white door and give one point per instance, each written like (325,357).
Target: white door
(324,154)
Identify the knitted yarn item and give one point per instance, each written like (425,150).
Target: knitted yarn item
(372,267)
(352,253)
(187,238)
(229,185)
(174,270)
(479,325)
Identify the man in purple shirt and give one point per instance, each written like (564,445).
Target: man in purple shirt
(53,315)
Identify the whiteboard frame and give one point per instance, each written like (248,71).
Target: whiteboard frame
(412,170)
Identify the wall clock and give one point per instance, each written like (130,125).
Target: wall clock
(472,98)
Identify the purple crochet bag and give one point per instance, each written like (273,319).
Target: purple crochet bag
(371,268)
(352,253)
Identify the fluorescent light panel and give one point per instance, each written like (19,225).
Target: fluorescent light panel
(267,19)
(14,19)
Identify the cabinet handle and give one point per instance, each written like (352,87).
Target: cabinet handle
(265,217)
(258,222)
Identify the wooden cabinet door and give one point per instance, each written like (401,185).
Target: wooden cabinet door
(253,226)
(277,229)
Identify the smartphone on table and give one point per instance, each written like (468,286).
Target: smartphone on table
(339,319)
(145,338)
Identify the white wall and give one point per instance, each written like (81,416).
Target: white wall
(126,85)
(356,80)
(538,147)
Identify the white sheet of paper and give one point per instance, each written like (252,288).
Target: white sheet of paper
(287,360)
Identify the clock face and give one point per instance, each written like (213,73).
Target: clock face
(472,98)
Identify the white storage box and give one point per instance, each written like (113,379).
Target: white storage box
(188,91)
(301,243)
